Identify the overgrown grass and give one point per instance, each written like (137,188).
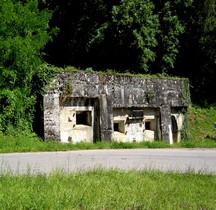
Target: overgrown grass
(108,189)
(201,123)
(201,134)
(201,131)
(22,143)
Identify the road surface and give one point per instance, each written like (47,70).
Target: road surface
(178,160)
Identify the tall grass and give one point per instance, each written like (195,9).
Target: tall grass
(201,131)
(22,143)
(201,123)
(112,189)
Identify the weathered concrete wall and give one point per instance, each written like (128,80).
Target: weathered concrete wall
(51,116)
(127,91)
(110,92)
(129,128)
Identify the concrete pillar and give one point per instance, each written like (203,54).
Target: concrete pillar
(105,117)
(51,117)
(165,112)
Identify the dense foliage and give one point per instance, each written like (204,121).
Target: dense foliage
(197,56)
(137,36)
(23,33)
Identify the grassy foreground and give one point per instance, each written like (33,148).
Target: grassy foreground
(113,189)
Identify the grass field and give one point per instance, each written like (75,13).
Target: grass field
(113,189)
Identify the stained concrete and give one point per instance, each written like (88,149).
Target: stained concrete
(158,100)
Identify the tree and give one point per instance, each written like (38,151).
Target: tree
(81,23)
(138,36)
(197,56)
(207,22)
(24,31)
(170,30)
(136,25)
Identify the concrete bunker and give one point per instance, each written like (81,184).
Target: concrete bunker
(103,107)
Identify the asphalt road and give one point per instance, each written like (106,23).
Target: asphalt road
(179,160)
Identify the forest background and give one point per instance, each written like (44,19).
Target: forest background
(168,37)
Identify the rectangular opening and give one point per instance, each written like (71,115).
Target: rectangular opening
(147,126)
(83,118)
(119,126)
(150,125)
(136,114)
(116,127)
